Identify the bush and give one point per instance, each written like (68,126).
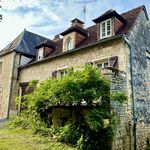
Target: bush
(70,134)
(20,121)
(84,86)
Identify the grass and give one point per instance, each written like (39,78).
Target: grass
(20,139)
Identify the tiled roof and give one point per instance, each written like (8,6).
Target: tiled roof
(25,43)
(92,37)
(109,14)
(48,43)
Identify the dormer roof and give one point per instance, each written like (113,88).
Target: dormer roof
(77,29)
(109,14)
(48,43)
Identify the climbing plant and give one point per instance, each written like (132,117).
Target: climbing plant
(81,87)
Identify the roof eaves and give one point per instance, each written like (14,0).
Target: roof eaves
(72,29)
(109,15)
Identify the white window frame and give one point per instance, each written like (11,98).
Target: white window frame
(103,64)
(69,44)
(40,53)
(63,72)
(105,28)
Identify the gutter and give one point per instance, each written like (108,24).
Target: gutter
(74,50)
(11,84)
(133,96)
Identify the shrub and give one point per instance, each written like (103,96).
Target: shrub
(70,134)
(84,86)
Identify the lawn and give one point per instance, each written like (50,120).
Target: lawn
(19,139)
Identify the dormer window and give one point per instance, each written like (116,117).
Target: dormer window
(40,53)
(106,28)
(45,49)
(69,44)
(109,24)
(74,35)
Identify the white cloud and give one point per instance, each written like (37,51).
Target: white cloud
(13,4)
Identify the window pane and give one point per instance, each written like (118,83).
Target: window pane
(69,44)
(63,73)
(99,66)
(103,29)
(40,54)
(105,64)
(108,27)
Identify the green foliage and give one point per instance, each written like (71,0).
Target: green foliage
(94,119)
(118,96)
(20,121)
(148,148)
(33,83)
(85,85)
(70,134)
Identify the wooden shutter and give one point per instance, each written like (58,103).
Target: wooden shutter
(113,61)
(54,74)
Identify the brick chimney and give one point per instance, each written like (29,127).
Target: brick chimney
(77,22)
(57,37)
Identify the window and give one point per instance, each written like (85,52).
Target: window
(40,54)
(69,44)
(102,65)
(106,28)
(63,73)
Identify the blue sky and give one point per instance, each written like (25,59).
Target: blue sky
(50,17)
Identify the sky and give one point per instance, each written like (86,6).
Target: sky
(51,17)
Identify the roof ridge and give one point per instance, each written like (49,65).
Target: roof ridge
(139,7)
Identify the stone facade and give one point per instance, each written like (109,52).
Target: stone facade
(139,42)
(6,78)
(132,51)
(121,82)
(43,70)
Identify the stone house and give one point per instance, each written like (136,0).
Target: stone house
(119,42)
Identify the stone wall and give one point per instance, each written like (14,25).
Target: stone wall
(121,82)
(5,82)
(139,41)
(43,70)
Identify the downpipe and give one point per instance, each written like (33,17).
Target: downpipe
(133,95)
